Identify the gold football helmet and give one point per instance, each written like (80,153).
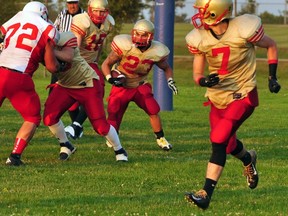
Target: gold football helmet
(98,5)
(142,33)
(211,12)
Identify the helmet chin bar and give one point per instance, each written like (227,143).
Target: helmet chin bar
(97,19)
(141,42)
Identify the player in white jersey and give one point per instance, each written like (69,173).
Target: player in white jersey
(228,45)
(79,83)
(91,29)
(134,56)
(28,40)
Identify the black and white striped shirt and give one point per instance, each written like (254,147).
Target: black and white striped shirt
(64,19)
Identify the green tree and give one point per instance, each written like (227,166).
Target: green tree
(178,3)
(249,7)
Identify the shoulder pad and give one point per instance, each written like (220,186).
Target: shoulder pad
(121,42)
(162,49)
(110,19)
(193,39)
(248,25)
(67,39)
(81,21)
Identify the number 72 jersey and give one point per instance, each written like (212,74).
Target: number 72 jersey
(26,36)
(232,57)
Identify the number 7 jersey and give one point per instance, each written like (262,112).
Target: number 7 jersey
(232,57)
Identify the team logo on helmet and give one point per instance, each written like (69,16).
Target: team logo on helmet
(211,12)
(98,10)
(38,8)
(142,33)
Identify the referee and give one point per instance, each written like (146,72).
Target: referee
(64,18)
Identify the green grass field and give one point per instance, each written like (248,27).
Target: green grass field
(153,182)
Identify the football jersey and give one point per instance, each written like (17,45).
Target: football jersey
(232,57)
(80,74)
(134,63)
(94,37)
(26,36)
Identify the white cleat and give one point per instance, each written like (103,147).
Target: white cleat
(164,144)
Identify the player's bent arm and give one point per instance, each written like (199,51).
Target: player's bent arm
(51,63)
(270,45)
(198,67)
(79,38)
(66,54)
(106,66)
(164,65)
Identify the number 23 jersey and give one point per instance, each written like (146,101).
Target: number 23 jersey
(134,63)
(232,57)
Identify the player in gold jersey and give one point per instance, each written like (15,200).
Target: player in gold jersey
(134,56)
(228,45)
(79,83)
(91,29)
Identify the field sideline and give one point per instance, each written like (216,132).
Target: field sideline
(153,182)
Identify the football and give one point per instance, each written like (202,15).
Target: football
(118,74)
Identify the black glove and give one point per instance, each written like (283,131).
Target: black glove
(210,80)
(273,84)
(116,81)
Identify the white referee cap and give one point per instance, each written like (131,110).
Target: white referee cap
(72,1)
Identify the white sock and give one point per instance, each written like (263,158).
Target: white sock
(59,132)
(113,138)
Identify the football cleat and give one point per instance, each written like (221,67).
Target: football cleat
(108,144)
(250,171)
(164,144)
(121,155)
(199,198)
(12,161)
(74,131)
(66,150)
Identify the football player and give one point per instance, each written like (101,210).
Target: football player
(228,45)
(135,55)
(28,40)
(79,83)
(91,29)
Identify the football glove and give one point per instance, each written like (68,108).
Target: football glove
(209,81)
(273,84)
(115,81)
(172,86)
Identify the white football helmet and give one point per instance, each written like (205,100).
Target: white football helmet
(211,12)
(38,8)
(100,5)
(142,33)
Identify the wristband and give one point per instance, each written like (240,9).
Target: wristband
(108,77)
(273,70)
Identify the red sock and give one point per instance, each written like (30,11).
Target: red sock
(19,146)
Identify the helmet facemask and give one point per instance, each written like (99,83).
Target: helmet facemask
(142,33)
(212,12)
(98,11)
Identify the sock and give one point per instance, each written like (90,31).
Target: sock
(113,138)
(82,116)
(246,159)
(159,134)
(59,132)
(19,146)
(209,186)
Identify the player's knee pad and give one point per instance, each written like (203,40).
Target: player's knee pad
(222,131)
(101,126)
(218,155)
(35,119)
